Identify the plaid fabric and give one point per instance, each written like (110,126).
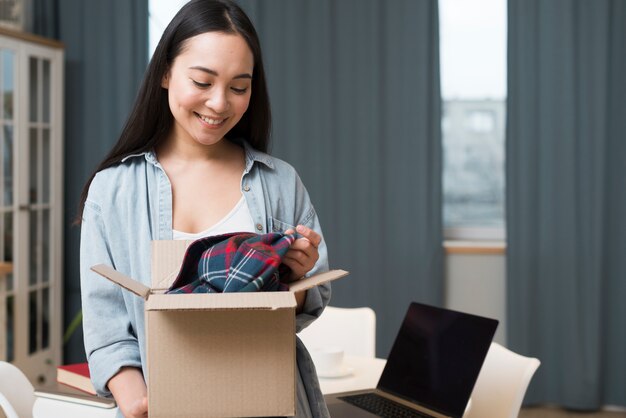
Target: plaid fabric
(237,262)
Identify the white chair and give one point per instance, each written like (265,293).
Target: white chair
(18,400)
(352,329)
(17,394)
(501,384)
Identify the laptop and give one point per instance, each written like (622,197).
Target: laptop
(431,370)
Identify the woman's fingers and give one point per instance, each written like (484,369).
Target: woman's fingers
(302,254)
(310,235)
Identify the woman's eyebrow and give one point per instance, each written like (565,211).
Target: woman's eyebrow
(213,72)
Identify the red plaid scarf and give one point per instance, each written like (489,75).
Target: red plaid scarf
(237,262)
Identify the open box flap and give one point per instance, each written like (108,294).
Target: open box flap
(317,279)
(121,279)
(167,257)
(220,301)
(144,291)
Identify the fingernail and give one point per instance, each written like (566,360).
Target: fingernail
(300,228)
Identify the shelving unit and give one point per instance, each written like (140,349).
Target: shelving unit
(31,198)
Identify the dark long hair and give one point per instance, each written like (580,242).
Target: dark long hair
(150,120)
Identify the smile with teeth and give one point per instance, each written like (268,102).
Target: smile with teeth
(211,121)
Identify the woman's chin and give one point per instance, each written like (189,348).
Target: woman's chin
(209,142)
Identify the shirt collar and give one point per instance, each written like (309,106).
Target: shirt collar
(150,156)
(252,155)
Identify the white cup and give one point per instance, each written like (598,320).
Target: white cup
(327,360)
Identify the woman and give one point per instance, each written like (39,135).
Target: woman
(189,163)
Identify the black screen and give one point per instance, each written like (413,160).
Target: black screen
(436,357)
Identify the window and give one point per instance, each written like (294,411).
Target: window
(161,13)
(473,80)
(481,121)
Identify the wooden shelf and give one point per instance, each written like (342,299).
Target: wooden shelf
(5,267)
(474,247)
(31,37)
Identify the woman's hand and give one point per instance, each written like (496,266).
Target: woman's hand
(301,257)
(137,408)
(303,254)
(129,390)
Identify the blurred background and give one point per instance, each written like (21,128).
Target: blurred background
(461,153)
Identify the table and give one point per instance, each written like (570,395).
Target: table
(365,375)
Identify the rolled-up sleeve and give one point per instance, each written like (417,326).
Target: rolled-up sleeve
(110,343)
(316,300)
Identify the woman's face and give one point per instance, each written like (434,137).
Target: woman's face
(209,86)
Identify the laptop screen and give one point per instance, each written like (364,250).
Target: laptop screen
(436,358)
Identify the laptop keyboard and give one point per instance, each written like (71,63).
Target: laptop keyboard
(382,407)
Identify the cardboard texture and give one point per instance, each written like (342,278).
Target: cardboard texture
(216,354)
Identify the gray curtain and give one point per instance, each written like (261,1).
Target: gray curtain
(566,200)
(106,53)
(356,102)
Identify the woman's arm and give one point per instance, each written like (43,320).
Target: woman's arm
(129,390)
(110,341)
(312,302)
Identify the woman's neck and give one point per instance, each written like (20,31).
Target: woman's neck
(192,151)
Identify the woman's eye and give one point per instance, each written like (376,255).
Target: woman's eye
(201,85)
(239,91)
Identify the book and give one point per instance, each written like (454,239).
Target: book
(76,376)
(75,398)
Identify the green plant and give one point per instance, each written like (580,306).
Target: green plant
(73,326)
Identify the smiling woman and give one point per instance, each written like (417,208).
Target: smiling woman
(208,91)
(191,157)
(208,88)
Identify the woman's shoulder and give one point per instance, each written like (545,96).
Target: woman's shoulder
(282,167)
(121,170)
(120,178)
(271,165)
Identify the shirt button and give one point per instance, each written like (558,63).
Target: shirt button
(259,227)
(246,188)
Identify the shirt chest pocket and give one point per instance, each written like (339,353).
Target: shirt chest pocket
(276,225)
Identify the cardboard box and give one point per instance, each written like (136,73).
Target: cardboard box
(216,354)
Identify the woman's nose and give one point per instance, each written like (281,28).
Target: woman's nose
(217,101)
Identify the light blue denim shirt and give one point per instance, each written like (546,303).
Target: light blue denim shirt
(128,206)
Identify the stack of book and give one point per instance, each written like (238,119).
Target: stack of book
(71,377)
(76,376)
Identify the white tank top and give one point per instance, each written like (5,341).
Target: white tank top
(237,220)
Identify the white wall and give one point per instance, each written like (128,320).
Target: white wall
(475,283)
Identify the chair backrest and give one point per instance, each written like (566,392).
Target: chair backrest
(17,394)
(352,329)
(501,384)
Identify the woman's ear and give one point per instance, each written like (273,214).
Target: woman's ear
(165,81)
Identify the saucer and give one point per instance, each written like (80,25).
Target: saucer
(333,374)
